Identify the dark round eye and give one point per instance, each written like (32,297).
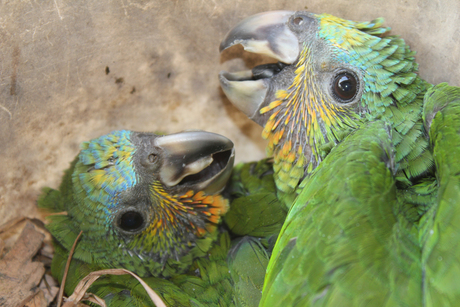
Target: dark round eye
(344,87)
(152,158)
(131,221)
(297,21)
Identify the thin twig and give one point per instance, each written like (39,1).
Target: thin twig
(80,294)
(67,265)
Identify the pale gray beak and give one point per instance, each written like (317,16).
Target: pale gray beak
(197,160)
(265,33)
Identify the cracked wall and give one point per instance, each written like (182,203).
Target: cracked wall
(74,70)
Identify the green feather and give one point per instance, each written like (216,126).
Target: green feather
(374,218)
(247,262)
(323,260)
(440,226)
(255,209)
(212,272)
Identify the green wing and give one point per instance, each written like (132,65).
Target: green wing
(247,262)
(254,219)
(232,274)
(440,227)
(344,243)
(209,280)
(255,209)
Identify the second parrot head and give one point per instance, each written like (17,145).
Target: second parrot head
(152,195)
(331,75)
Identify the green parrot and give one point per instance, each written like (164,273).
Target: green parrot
(255,208)
(254,220)
(151,204)
(365,157)
(332,76)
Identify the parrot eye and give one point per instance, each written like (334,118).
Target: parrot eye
(297,21)
(152,158)
(344,87)
(131,221)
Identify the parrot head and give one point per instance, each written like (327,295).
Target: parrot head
(331,76)
(146,198)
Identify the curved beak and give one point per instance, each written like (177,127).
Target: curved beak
(265,33)
(246,94)
(198,160)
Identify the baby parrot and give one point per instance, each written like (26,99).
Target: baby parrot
(332,75)
(364,156)
(151,204)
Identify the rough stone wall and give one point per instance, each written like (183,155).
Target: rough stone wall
(74,70)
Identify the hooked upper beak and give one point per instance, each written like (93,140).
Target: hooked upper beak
(197,160)
(265,33)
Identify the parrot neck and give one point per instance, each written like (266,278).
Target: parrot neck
(402,109)
(178,222)
(301,125)
(181,229)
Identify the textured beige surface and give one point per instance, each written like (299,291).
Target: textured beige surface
(74,70)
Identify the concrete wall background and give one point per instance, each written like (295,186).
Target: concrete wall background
(162,57)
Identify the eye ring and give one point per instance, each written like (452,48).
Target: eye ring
(131,221)
(344,86)
(152,158)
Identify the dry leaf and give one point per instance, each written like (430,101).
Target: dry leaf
(49,287)
(80,294)
(38,300)
(19,276)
